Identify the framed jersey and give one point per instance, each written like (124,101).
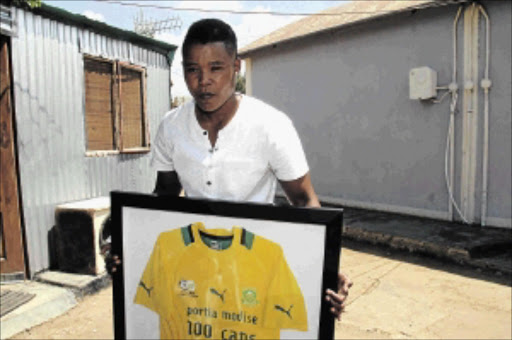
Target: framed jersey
(200,269)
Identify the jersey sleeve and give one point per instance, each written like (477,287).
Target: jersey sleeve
(287,157)
(147,287)
(285,307)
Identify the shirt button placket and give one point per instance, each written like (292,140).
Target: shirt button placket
(208,171)
(213,155)
(209,174)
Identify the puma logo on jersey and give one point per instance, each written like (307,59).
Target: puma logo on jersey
(148,290)
(215,292)
(287,312)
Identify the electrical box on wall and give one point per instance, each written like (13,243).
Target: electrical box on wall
(422,83)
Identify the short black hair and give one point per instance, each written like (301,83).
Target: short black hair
(210,31)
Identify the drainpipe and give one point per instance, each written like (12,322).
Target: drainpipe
(470,112)
(485,84)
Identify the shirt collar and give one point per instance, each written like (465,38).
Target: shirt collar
(198,130)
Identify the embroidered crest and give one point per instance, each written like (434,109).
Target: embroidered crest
(188,288)
(249,297)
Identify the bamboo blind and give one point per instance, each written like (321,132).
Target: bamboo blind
(99,116)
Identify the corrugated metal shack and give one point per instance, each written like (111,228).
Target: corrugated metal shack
(87,99)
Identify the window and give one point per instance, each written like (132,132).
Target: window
(115,107)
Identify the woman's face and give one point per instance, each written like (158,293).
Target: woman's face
(210,73)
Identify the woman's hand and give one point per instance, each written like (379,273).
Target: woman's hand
(338,299)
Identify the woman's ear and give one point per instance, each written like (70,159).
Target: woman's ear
(238,64)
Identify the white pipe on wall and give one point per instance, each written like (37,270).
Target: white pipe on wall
(453,88)
(450,138)
(485,84)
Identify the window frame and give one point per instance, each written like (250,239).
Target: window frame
(144,119)
(117,108)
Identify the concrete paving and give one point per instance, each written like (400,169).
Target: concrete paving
(55,294)
(481,248)
(484,248)
(50,301)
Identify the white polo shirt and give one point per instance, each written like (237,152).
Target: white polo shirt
(258,146)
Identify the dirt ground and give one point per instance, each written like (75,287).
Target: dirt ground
(395,296)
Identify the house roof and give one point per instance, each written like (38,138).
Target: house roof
(335,17)
(102,28)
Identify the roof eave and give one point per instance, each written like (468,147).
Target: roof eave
(248,53)
(102,28)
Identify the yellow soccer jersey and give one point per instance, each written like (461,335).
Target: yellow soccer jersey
(220,284)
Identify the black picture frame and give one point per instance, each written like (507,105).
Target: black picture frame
(328,220)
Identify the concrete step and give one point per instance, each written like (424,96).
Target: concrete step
(480,247)
(79,284)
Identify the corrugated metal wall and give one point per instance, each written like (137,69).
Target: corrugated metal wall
(49,107)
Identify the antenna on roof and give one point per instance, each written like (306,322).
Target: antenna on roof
(149,27)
